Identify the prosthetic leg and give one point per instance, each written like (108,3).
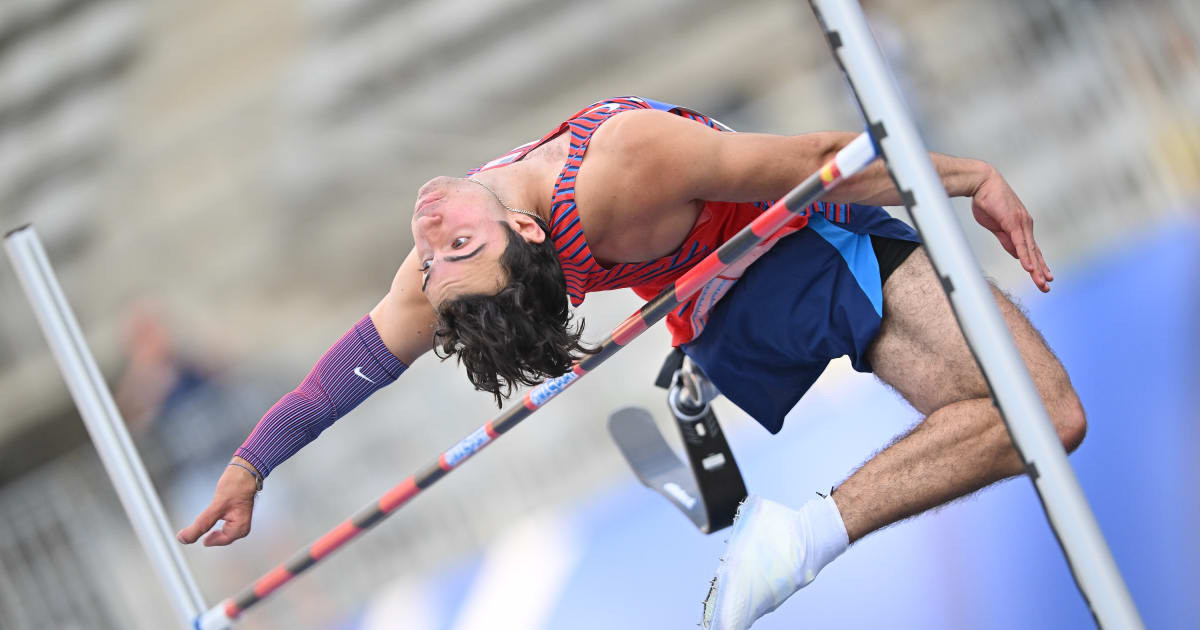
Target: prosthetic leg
(710,492)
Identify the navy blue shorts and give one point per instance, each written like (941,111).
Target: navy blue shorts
(817,295)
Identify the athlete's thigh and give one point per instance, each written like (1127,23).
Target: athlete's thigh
(921,352)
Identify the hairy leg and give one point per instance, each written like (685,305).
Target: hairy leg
(962,444)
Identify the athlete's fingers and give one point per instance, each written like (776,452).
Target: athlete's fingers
(217,538)
(1033,259)
(1045,268)
(1042,281)
(1030,246)
(1025,244)
(1039,259)
(1022,245)
(203,523)
(232,530)
(1040,274)
(1031,263)
(1007,243)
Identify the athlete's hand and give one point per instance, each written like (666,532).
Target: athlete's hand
(233,502)
(997,208)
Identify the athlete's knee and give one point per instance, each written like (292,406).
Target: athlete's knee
(1066,412)
(1054,384)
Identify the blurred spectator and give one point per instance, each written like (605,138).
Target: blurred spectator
(174,401)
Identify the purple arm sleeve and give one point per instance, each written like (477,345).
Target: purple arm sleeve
(354,368)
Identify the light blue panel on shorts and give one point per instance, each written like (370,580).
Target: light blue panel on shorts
(859,255)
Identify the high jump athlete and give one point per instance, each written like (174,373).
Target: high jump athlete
(630,192)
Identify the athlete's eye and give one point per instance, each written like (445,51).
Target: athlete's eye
(425,265)
(459,243)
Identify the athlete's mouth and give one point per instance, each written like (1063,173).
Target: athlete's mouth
(425,202)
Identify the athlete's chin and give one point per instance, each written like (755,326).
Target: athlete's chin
(441,181)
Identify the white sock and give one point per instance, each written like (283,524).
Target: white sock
(827,537)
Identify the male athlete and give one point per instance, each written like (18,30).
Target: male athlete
(630,193)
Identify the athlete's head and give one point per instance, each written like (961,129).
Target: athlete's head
(495,282)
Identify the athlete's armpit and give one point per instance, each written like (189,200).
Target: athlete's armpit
(404,317)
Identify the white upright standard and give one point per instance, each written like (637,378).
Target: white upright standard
(908,161)
(104,422)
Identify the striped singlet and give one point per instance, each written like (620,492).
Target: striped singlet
(717,222)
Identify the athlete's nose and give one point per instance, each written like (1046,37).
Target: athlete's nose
(427,222)
(431,220)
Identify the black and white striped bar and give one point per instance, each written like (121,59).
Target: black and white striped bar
(1033,434)
(103,421)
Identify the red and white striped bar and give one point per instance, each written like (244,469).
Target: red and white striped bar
(852,158)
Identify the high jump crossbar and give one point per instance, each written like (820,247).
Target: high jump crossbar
(103,421)
(1013,392)
(852,158)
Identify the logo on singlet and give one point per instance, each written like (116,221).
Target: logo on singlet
(607,106)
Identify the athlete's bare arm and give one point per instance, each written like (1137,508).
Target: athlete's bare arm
(667,160)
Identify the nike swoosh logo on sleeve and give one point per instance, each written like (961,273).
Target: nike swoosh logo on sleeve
(358,373)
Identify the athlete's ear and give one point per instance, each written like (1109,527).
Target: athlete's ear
(526,227)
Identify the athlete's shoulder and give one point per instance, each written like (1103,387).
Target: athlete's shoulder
(645,123)
(662,106)
(607,107)
(644,133)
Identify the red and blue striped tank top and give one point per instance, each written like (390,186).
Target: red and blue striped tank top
(717,222)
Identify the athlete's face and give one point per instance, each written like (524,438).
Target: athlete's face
(459,239)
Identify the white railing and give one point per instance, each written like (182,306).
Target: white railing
(1013,391)
(104,423)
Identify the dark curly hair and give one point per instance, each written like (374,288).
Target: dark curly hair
(521,335)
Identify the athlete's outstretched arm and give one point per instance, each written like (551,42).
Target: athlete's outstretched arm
(371,355)
(681,160)
(994,204)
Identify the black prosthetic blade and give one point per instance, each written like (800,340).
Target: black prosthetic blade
(722,488)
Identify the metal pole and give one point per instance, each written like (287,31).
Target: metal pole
(103,421)
(1013,391)
(796,204)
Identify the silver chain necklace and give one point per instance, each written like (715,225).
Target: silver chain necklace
(506,206)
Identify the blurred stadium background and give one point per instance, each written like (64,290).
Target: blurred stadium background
(225,187)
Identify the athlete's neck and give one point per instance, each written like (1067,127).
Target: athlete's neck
(526,185)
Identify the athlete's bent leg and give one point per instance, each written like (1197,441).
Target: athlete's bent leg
(962,444)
